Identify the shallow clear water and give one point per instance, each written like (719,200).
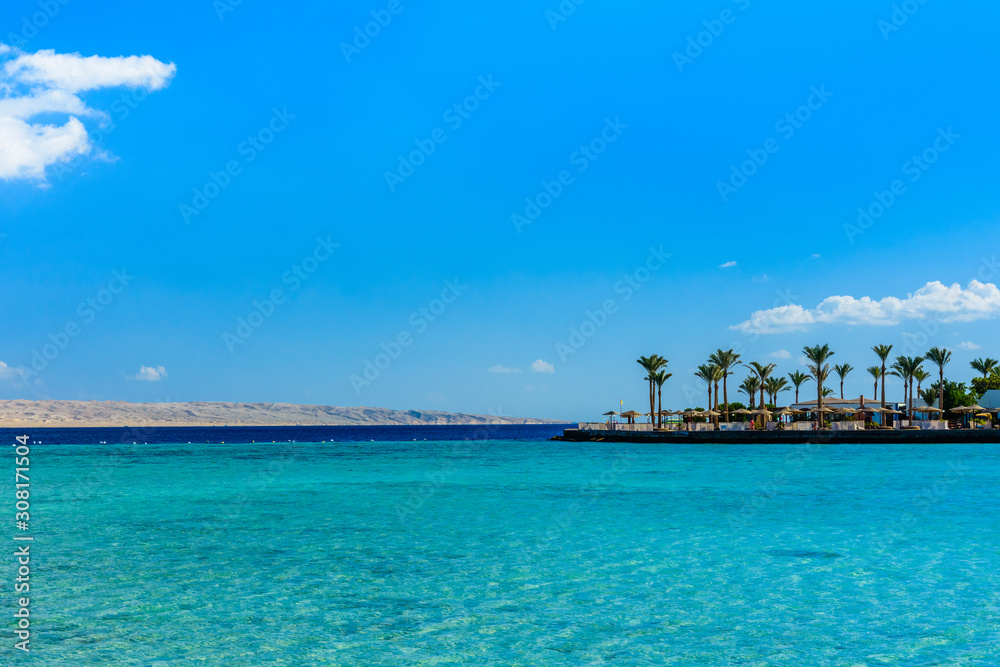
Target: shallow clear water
(514,553)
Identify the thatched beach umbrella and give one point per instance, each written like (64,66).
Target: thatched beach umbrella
(630,415)
(784,412)
(968,408)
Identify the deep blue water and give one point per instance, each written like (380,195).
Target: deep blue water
(511,552)
(238,434)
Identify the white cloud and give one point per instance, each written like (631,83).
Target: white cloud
(150,373)
(727,265)
(542,366)
(968,345)
(933,300)
(47,83)
(760,279)
(815,255)
(73,73)
(781,354)
(503,369)
(10,372)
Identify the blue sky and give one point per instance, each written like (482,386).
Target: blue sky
(216,159)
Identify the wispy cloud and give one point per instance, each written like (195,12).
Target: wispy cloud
(540,366)
(47,83)
(781,354)
(503,369)
(727,265)
(10,373)
(946,304)
(150,374)
(969,345)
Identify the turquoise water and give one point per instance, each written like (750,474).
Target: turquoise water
(515,553)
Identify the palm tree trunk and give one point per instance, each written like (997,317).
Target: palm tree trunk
(908,397)
(819,396)
(883,384)
(841,388)
(659,417)
(715,420)
(652,398)
(941,393)
(725,395)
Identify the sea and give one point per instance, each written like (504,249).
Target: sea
(494,545)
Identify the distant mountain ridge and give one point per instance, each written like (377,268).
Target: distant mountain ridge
(23,413)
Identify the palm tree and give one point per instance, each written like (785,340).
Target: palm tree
(842,370)
(705,372)
(905,367)
(763,373)
(726,360)
(876,372)
(984,366)
(750,387)
(882,352)
(775,386)
(915,370)
(920,375)
(651,364)
(717,377)
(659,377)
(797,378)
(820,370)
(940,356)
